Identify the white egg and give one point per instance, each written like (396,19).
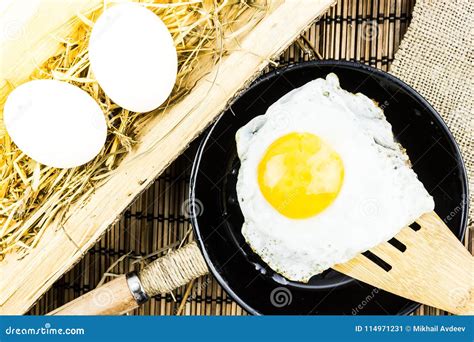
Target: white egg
(55,123)
(322,179)
(133,57)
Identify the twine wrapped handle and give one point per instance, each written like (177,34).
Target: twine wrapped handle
(173,270)
(123,293)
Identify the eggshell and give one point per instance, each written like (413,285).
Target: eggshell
(133,57)
(55,123)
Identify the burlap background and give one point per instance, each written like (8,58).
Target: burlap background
(436,57)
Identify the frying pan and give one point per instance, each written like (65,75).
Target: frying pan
(250,282)
(217,219)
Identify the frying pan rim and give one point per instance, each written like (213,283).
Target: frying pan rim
(316,63)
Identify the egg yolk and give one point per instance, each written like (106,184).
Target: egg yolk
(300,175)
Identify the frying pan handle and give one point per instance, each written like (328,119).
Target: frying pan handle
(126,292)
(112,298)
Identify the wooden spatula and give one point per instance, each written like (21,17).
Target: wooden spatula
(424,262)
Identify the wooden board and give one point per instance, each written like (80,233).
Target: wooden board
(24,280)
(31,33)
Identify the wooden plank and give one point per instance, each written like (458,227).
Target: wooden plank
(24,281)
(30,34)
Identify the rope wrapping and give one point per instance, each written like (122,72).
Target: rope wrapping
(173,270)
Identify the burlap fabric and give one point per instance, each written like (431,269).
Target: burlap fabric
(436,57)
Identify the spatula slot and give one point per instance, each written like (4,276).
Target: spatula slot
(415,226)
(397,244)
(376,260)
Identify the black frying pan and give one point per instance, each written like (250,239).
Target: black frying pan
(247,279)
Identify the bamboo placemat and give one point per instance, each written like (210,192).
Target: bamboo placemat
(358,30)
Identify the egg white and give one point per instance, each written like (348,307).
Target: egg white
(380,195)
(55,123)
(133,57)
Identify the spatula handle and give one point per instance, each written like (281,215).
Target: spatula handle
(125,293)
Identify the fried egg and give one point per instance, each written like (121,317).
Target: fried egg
(322,179)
